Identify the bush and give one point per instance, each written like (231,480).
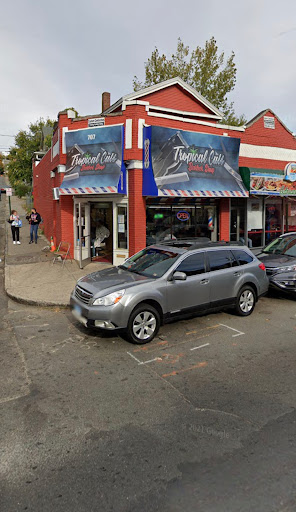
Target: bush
(21,190)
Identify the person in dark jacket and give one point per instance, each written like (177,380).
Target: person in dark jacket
(34,220)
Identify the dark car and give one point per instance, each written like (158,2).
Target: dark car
(279,258)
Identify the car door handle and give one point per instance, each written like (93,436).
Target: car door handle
(204,281)
(236,274)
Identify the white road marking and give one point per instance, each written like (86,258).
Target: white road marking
(138,361)
(239,333)
(151,360)
(30,325)
(200,346)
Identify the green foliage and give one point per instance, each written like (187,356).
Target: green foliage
(26,143)
(21,190)
(1,163)
(204,69)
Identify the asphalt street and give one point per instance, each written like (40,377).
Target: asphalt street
(201,419)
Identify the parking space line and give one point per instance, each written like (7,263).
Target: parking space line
(138,361)
(151,360)
(29,325)
(239,333)
(200,346)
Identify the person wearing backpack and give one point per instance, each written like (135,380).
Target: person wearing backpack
(34,220)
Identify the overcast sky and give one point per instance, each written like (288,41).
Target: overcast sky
(65,53)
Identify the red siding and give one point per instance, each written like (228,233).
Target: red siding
(176,98)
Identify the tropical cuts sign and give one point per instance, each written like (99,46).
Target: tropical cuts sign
(182,163)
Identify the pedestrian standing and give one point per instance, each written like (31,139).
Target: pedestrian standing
(15,228)
(34,220)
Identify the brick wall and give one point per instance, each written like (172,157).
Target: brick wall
(224,219)
(137,212)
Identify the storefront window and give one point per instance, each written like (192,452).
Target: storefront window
(159,224)
(180,221)
(290,221)
(273,218)
(122,227)
(255,221)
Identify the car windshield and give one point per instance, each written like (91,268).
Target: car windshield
(151,262)
(283,245)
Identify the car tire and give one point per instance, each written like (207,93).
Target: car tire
(143,324)
(245,301)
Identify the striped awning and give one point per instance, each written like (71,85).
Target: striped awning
(88,190)
(202,193)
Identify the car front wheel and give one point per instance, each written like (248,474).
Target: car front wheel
(245,301)
(143,324)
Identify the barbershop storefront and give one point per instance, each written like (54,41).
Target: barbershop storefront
(185,176)
(96,178)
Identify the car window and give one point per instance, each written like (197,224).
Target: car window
(242,256)
(151,262)
(193,264)
(221,259)
(280,245)
(290,249)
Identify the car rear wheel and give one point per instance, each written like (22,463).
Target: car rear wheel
(143,324)
(245,301)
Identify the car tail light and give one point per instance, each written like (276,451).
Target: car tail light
(262,266)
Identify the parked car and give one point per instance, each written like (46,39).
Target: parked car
(279,257)
(173,279)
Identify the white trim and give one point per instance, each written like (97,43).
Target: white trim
(134,164)
(128,134)
(127,103)
(61,168)
(194,121)
(64,130)
(267,152)
(95,127)
(173,111)
(141,123)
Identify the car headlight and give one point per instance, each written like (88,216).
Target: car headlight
(290,268)
(109,300)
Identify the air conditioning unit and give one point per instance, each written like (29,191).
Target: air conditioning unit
(52,174)
(56,193)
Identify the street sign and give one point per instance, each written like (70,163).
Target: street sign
(9,191)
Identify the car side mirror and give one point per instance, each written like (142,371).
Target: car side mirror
(179,276)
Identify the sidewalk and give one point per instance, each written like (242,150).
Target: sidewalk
(30,276)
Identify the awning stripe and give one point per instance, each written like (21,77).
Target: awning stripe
(203,193)
(88,190)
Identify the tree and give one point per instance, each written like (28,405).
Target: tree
(203,68)
(1,163)
(36,138)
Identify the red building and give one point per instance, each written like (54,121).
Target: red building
(159,164)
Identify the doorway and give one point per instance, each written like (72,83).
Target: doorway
(101,232)
(238,222)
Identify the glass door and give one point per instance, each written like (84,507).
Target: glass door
(238,222)
(82,233)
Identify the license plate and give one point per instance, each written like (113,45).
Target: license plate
(77,309)
(76,312)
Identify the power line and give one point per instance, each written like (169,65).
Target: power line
(1,135)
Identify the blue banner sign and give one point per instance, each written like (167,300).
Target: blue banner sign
(95,161)
(182,163)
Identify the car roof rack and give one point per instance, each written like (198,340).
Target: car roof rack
(198,242)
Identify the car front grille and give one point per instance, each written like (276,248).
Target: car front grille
(82,295)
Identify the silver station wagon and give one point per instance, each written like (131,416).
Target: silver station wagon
(166,281)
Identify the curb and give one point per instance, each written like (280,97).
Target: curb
(30,302)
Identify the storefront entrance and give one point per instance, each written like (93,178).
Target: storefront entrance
(100,230)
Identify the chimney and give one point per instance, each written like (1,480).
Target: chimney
(105,101)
